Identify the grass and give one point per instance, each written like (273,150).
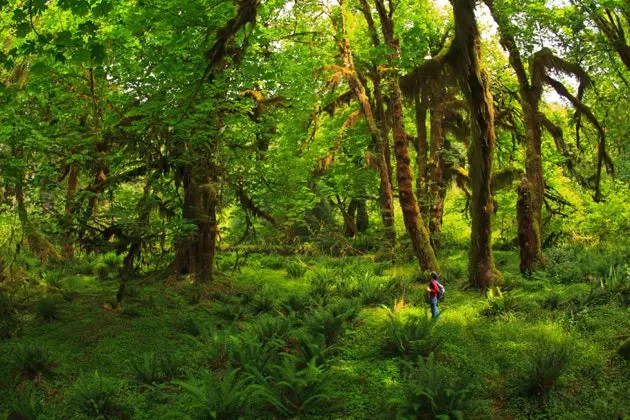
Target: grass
(339,328)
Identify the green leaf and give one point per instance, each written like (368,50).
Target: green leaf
(88,27)
(102,9)
(29,47)
(22,29)
(97,52)
(80,8)
(60,58)
(39,68)
(63,38)
(38,6)
(81,55)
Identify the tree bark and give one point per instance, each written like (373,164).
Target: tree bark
(195,253)
(437,175)
(386,195)
(37,243)
(421,146)
(465,57)
(411,215)
(363,221)
(68,247)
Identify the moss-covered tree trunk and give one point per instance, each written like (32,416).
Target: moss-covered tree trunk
(416,229)
(195,253)
(37,243)
(437,176)
(531,193)
(386,195)
(68,247)
(363,220)
(465,57)
(531,190)
(421,145)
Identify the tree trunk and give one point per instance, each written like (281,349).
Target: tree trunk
(411,214)
(465,58)
(363,221)
(386,195)
(421,146)
(437,177)
(349,217)
(37,243)
(68,247)
(531,191)
(535,189)
(195,253)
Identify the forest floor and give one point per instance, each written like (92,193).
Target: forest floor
(545,348)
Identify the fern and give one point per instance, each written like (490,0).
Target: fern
(322,283)
(33,361)
(330,321)
(428,395)
(501,304)
(371,289)
(409,338)
(95,395)
(294,390)
(154,367)
(546,367)
(295,269)
(264,300)
(226,398)
(47,309)
(270,328)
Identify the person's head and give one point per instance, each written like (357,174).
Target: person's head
(433,276)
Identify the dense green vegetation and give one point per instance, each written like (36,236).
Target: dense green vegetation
(230,209)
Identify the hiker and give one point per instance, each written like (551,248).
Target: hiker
(436,290)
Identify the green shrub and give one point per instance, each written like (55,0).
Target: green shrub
(219,349)
(398,285)
(47,309)
(380,267)
(551,302)
(189,326)
(297,303)
(409,338)
(295,269)
(264,300)
(8,319)
(84,265)
(251,354)
(230,312)
(311,347)
(366,243)
(269,328)
(323,283)
(33,361)
(546,367)
(95,395)
(294,390)
(221,399)
(372,290)
(501,304)
(273,262)
(154,367)
(53,278)
(112,261)
(102,272)
(330,321)
(26,405)
(618,278)
(428,395)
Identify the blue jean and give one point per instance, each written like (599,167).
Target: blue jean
(434,308)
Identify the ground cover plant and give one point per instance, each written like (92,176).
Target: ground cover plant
(232,209)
